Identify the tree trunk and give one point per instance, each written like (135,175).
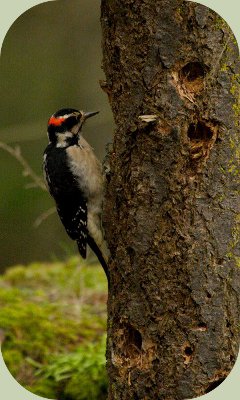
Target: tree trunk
(172,197)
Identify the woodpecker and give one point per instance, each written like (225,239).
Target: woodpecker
(74,178)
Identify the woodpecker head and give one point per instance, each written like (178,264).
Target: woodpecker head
(64,126)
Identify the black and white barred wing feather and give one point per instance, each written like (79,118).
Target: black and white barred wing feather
(70,201)
(74,219)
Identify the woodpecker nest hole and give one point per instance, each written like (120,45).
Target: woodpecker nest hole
(192,76)
(130,352)
(132,349)
(189,79)
(188,351)
(133,340)
(199,132)
(202,135)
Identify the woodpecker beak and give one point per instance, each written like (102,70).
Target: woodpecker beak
(87,115)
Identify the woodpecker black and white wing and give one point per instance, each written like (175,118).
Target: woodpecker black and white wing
(74,218)
(70,201)
(81,219)
(45,172)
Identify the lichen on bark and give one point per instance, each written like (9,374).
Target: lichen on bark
(172,198)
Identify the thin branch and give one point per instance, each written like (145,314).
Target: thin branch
(37,181)
(44,216)
(27,170)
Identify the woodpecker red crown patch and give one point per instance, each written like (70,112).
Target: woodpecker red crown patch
(56,121)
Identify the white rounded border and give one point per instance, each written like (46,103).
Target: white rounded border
(10,11)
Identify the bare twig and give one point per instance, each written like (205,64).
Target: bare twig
(37,181)
(27,170)
(44,216)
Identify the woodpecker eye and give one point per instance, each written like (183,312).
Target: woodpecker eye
(63,120)
(70,122)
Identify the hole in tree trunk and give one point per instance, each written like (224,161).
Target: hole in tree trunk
(134,337)
(214,384)
(199,132)
(188,351)
(191,77)
(202,136)
(202,326)
(193,71)
(131,252)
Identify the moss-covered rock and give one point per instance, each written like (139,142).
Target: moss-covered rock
(53,317)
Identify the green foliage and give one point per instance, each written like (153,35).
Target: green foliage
(54,318)
(82,374)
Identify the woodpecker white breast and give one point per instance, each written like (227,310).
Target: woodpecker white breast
(74,178)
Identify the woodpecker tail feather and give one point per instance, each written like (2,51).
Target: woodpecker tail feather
(82,248)
(92,244)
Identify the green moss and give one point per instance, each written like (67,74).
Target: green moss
(48,312)
(233,167)
(220,23)
(233,89)
(234,244)
(224,67)
(44,388)
(237,259)
(82,372)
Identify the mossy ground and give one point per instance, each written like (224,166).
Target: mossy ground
(53,321)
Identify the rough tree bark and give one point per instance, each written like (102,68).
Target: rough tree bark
(171,199)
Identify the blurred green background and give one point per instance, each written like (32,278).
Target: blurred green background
(50,59)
